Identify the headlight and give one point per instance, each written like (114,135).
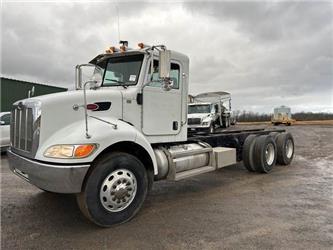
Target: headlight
(205,123)
(70,151)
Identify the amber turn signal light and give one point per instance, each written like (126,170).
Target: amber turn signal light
(84,150)
(110,50)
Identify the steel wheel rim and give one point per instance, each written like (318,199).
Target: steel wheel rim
(289,148)
(270,154)
(118,190)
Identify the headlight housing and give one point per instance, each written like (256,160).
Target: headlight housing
(206,121)
(70,151)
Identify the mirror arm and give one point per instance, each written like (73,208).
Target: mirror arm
(85,106)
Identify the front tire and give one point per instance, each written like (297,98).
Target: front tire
(211,129)
(114,190)
(227,122)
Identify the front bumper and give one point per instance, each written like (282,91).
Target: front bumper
(49,177)
(197,127)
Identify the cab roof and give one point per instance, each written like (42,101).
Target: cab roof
(101,57)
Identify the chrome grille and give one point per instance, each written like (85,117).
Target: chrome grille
(22,128)
(193,121)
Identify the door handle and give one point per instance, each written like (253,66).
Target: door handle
(175,125)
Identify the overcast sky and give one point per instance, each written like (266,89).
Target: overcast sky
(265,53)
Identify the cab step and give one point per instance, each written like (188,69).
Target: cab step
(193,172)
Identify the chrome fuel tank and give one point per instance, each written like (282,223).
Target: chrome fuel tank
(181,158)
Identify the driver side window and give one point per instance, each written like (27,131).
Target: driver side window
(155,77)
(174,75)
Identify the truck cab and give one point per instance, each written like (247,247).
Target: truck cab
(203,117)
(130,104)
(208,111)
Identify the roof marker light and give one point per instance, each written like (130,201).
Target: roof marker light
(141,45)
(122,48)
(110,50)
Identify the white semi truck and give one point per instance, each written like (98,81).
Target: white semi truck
(123,129)
(209,111)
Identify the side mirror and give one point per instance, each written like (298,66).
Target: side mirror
(164,63)
(97,78)
(87,72)
(164,69)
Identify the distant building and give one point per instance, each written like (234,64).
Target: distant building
(13,90)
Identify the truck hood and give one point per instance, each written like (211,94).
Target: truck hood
(57,109)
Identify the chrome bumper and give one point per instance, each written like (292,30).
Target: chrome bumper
(53,178)
(197,127)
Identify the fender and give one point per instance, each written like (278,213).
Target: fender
(101,133)
(143,142)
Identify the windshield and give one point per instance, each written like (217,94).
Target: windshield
(123,70)
(195,109)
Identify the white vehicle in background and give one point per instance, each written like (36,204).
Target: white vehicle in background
(203,117)
(4,130)
(209,111)
(282,115)
(109,140)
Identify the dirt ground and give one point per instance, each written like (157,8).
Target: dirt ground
(319,122)
(290,208)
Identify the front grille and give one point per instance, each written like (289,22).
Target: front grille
(193,121)
(22,128)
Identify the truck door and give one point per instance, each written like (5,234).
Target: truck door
(162,110)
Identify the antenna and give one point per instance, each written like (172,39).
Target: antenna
(118,22)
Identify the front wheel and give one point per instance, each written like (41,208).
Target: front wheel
(211,128)
(114,190)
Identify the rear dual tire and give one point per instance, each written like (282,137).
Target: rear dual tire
(264,153)
(261,153)
(248,152)
(286,147)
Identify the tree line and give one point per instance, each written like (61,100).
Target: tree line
(249,116)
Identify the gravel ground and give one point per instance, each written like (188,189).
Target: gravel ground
(290,208)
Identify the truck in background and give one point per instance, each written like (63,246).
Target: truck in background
(282,115)
(209,111)
(109,140)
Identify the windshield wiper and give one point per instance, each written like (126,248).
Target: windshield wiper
(121,83)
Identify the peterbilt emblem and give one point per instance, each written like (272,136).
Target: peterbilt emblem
(20,106)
